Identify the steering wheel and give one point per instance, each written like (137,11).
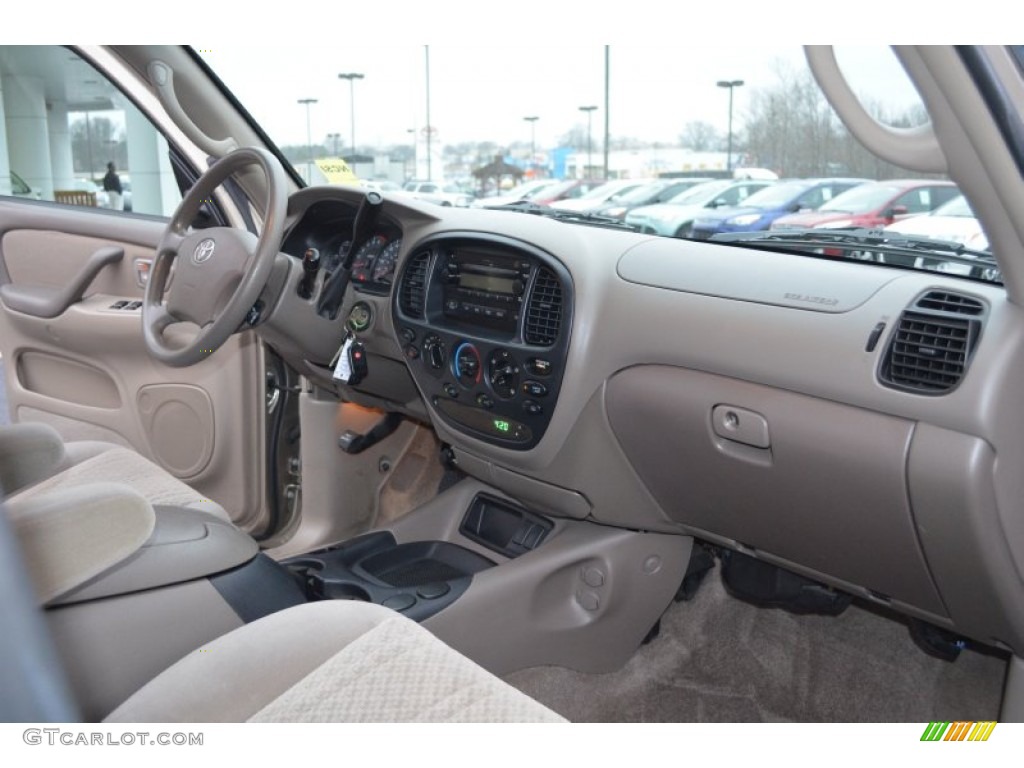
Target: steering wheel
(219,272)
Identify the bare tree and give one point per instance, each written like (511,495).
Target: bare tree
(700,136)
(792,129)
(576,138)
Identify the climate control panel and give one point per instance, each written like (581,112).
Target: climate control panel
(501,392)
(492,369)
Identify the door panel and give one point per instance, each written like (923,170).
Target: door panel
(87,371)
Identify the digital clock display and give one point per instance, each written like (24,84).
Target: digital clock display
(502,426)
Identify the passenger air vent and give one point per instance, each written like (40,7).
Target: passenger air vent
(544,312)
(413,290)
(956,303)
(930,351)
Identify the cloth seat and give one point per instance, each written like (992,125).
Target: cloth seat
(330,661)
(34,459)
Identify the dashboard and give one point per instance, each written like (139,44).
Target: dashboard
(741,396)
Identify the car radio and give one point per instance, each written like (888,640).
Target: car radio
(484,288)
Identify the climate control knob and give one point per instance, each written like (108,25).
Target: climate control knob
(466,365)
(434,352)
(503,374)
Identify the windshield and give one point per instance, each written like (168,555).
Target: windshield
(602,192)
(702,193)
(464,118)
(777,194)
(861,199)
(641,193)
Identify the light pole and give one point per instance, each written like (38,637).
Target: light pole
(590,113)
(731,85)
(352,77)
(335,137)
(532,120)
(607,106)
(309,140)
(405,166)
(426,54)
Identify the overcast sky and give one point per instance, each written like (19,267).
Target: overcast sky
(494,62)
(484,92)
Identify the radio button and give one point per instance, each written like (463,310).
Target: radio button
(485,401)
(451,390)
(533,408)
(534,389)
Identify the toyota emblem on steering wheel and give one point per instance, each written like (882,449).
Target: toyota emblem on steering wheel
(204,251)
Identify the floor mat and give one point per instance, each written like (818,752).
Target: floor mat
(718,659)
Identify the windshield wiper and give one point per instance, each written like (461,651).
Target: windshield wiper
(859,239)
(574,217)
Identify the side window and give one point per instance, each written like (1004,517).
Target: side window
(916,200)
(731,196)
(68,135)
(815,197)
(750,189)
(942,195)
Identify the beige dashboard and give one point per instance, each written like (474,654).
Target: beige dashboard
(737,395)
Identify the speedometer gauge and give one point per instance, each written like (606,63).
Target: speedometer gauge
(362,264)
(384,267)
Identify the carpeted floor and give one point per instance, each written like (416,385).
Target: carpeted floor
(718,659)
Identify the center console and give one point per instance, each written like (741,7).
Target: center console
(420,578)
(484,323)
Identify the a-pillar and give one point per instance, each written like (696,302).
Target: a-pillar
(28,146)
(154,189)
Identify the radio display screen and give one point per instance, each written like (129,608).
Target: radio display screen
(486,282)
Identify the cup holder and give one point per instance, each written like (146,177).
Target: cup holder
(335,589)
(418,578)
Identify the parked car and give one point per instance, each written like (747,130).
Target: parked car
(520,467)
(674,218)
(20,189)
(568,189)
(875,205)
(954,222)
(526,191)
(599,196)
(438,193)
(381,185)
(652,193)
(762,208)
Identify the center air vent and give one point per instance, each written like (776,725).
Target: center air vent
(413,290)
(544,312)
(933,343)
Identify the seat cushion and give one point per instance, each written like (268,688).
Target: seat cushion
(331,661)
(93,462)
